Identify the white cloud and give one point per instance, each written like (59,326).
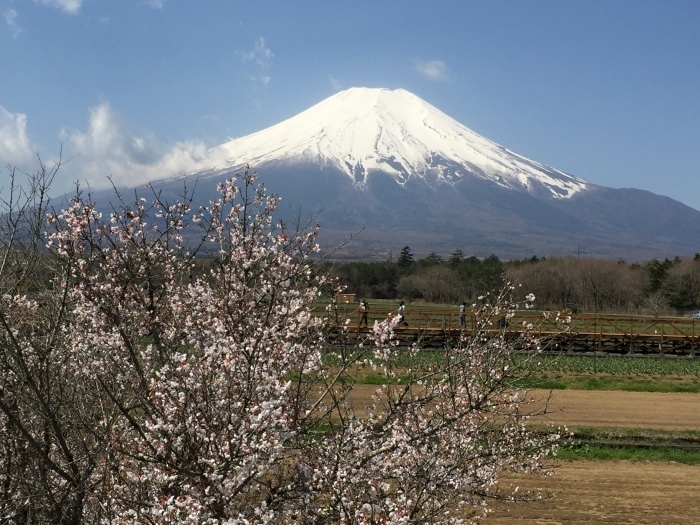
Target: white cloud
(432,69)
(156,4)
(107,137)
(15,146)
(335,83)
(69,6)
(108,149)
(260,56)
(10,16)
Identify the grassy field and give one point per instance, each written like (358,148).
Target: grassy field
(635,374)
(651,451)
(627,374)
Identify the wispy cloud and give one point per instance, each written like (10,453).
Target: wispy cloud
(432,70)
(108,148)
(15,147)
(156,4)
(335,83)
(10,16)
(69,6)
(261,57)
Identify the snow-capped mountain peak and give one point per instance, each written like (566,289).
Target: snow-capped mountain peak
(365,130)
(392,166)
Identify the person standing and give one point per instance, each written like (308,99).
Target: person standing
(462,315)
(364,307)
(402,314)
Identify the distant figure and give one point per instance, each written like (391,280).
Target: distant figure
(502,323)
(462,315)
(363,308)
(402,314)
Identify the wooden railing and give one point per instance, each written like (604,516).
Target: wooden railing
(584,331)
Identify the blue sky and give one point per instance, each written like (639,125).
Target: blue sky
(608,90)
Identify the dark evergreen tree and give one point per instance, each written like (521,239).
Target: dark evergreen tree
(456,257)
(491,274)
(431,260)
(405,257)
(658,271)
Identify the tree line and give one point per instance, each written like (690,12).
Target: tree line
(656,287)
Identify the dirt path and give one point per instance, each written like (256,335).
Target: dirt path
(596,408)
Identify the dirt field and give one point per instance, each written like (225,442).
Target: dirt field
(597,492)
(592,492)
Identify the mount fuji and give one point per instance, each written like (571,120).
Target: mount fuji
(387,162)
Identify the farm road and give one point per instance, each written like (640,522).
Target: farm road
(597,408)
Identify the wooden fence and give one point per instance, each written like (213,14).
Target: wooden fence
(586,333)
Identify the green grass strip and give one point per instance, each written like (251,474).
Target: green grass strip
(603,452)
(627,384)
(632,444)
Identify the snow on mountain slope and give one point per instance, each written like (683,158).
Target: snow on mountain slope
(361,130)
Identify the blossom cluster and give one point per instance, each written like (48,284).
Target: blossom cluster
(174,371)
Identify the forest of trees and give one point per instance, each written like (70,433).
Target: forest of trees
(656,287)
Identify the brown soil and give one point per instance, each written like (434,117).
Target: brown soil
(590,492)
(597,408)
(593,492)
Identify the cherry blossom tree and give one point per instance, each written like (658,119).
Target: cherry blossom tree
(47,447)
(142,386)
(200,369)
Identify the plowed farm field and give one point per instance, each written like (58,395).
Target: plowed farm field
(594,492)
(597,492)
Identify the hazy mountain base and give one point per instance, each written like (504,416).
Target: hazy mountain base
(483,219)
